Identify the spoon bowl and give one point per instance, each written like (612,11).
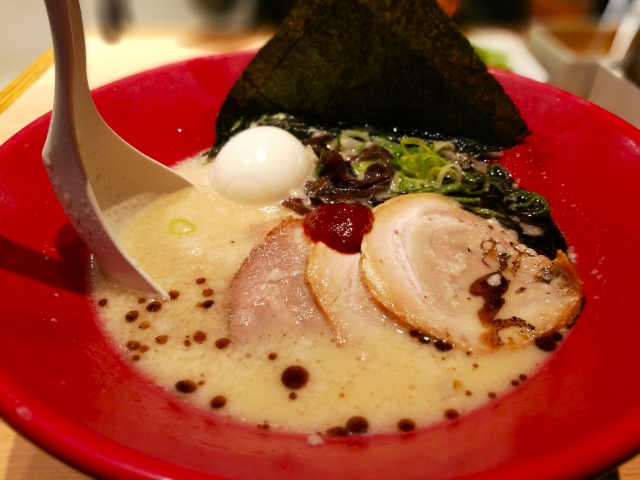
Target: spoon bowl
(92,170)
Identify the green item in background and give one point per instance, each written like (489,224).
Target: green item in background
(493,58)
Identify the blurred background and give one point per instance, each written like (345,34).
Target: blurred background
(587,47)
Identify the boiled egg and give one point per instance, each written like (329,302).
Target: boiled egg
(260,165)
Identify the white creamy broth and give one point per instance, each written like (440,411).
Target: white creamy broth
(386,377)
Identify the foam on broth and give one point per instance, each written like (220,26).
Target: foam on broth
(386,378)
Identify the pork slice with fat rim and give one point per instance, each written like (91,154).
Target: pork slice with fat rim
(463,279)
(269,295)
(336,282)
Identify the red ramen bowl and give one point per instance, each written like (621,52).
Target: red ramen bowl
(64,387)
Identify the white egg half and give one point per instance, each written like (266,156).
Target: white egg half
(260,165)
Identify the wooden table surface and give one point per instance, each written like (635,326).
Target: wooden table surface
(19,458)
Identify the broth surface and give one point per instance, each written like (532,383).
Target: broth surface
(192,243)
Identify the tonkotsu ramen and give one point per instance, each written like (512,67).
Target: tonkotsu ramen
(270,320)
(362,281)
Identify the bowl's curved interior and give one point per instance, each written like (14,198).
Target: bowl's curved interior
(63,387)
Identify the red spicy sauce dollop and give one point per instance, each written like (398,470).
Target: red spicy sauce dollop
(340,226)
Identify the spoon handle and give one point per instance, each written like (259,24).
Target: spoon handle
(87,163)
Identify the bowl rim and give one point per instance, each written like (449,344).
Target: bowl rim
(94,453)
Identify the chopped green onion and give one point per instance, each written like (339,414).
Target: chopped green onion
(527,203)
(414,141)
(180,226)
(360,167)
(455,170)
(357,134)
(485,212)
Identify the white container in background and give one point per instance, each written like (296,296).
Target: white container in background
(570,54)
(612,91)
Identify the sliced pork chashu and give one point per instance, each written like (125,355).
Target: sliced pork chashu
(269,295)
(425,252)
(337,284)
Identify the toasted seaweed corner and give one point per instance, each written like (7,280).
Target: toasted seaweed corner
(393,64)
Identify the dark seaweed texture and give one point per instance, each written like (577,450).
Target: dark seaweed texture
(397,65)
(304,129)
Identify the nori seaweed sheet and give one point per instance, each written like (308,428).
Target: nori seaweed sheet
(396,65)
